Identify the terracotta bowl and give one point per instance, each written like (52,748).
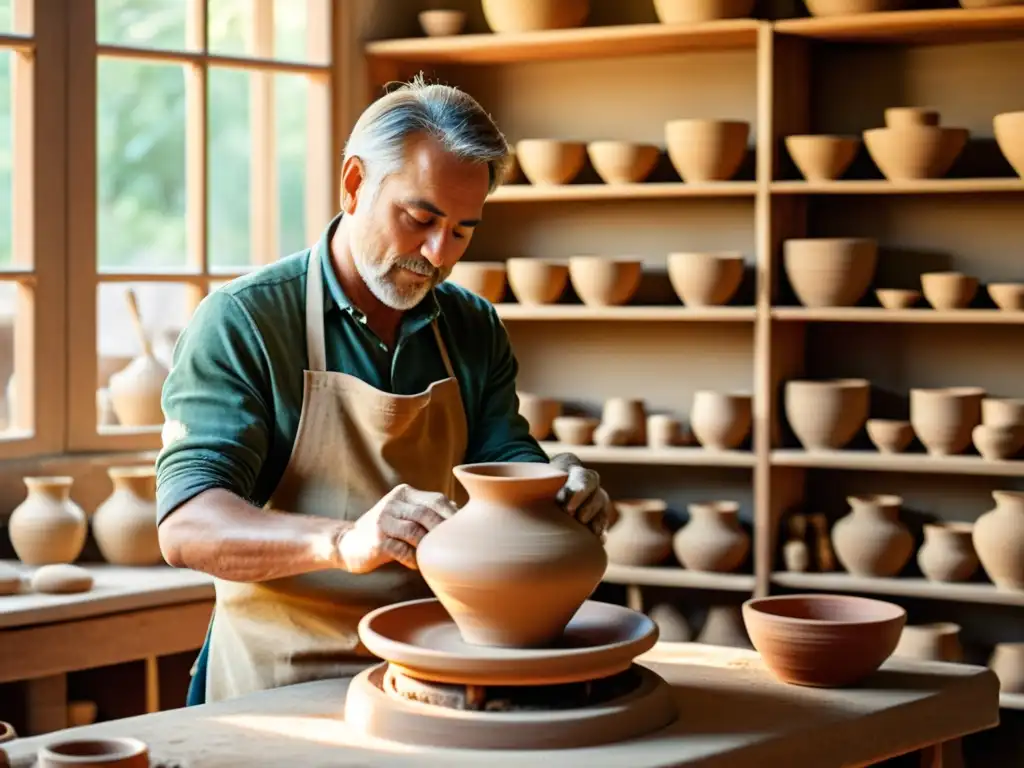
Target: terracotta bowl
(550,161)
(997,443)
(690,12)
(850,7)
(705,279)
(575,430)
(822,158)
(537,281)
(603,282)
(706,150)
(944,417)
(898,117)
(826,415)
(915,151)
(622,162)
(1007,296)
(823,641)
(1009,132)
(442,23)
(516,16)
(539,412)
(897,298)
(484,278)
(830,272)
(949,290)
(889,435)
(124,753)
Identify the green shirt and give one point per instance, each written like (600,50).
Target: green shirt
(234,394)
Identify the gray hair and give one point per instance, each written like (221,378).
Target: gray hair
(442,112)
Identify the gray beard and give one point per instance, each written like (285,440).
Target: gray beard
(385,291)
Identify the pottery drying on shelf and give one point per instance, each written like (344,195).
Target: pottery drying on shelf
(124,524)
(105,752)
(705,279)
(713,539)
(47,527)
(672,624)
(851,7)
(1009,297)
(690,12)
(484,278)
(826,415)
(830,271)
(947,553)
(824,555)
(624,418)
(575,430)
(796,555)
(949,290)
(721,420)
(999,540)
(442,23)
(723,625)
(897,298)
(547,565)
(706,150)
(998,443)
(540,413)
(622,162)
(602,281)
(1002,411)
(822,158)
(944,417)
(61,579)
(550,162)
(1008,129)
(826,641)
(871,540)
(516,16)
(536,281)
(135,390)
(889,435)
(639,536)
(938,641)
(911,147)
(664,431)
(1007,661)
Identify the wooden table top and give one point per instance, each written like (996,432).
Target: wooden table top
(731,713)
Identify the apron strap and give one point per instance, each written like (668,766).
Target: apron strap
(316,348)
(444,350)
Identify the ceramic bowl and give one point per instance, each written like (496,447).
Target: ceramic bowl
(622,162)
(949,290)
(826,414)
(851,7)
(604,281)
(897,298)
(1008,129)
(442,23)
(898,117)
(829,271)
(504,16)
(705,279)
(484,278)
(123,753)
(706,150)
(546,162)
(822,158)
(889,435)
(820,640)
(998,443)
(575,430)
(537,281)
(689,12)
(1007,296)
(912,152)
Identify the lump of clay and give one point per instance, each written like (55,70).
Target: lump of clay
(62,578)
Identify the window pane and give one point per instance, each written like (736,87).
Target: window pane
(291,110)
(232,28)
(141,166)
(141,23)
(228,158)
(6,160)
(6,17)
(13,421)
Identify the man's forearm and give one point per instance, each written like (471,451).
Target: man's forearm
(221,534)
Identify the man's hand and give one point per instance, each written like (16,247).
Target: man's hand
(392,529)
(582,495)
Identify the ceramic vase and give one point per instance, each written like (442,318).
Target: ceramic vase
(1007,661)
(720,420)
(939,641)
(999,540)
(639,535)
(871,540)
(47,527)
(511,567)
(626,417)
(124,524)
(135,392)
(948,552)
(713,539)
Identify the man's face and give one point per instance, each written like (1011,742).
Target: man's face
(407,238)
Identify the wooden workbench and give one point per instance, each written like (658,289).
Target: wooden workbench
(732,713)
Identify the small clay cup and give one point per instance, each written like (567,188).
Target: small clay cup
(622,162)
(998,443)
(949,290)
(442,23)
(890,435)
(550,162)
(897,298)
(537,281)
(899,117)
(484,278)
(604,281)
(1007,296)
(575,430)
(822,158)
(539,412)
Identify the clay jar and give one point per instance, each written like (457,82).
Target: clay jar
(639,536)
(135,392)
(47,527)
(948,552)
(944,418)
(1007,661)
(124,525)
(511,567)
(999,540)
(713,539)
(627,418)
(720,420)
(871,540)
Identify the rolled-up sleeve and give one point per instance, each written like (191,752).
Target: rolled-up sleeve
(216,402)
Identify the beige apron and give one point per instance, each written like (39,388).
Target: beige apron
(353,445)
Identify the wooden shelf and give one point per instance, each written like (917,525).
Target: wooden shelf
(512,311)
(884,187)
(899,462)
(676,576)
(1011,700)
(584,43)
(682,457)
(530,193)
(971,592)
(879,315)
(955,25)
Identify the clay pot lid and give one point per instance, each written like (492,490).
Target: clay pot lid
(421,639)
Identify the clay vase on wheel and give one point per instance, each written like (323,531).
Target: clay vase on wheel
(511,567)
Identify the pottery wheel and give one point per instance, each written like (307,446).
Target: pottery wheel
(633,703)
(422,642)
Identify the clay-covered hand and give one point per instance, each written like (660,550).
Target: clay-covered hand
(582,495)
(392,529)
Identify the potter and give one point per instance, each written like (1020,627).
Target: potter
(317,407)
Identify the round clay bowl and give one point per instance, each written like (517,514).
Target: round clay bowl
(122,753)
(504,16)
(897,298)
(484,278)
(1008,128)
(547,162)
(823,641)
(604,282)
(949,290)
(536,281)
(539,412)
(944,417)
(442,23)
(1007,296)
(830,272)
(898,117)
(822,158)
(826,415)
(575,430)
(851,7)
(622,162)
(706,150)
(705,279)
(889,435)
(998,443)
(915,151)
(696,11)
